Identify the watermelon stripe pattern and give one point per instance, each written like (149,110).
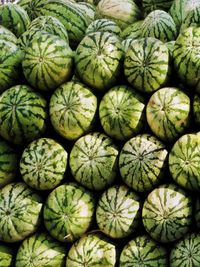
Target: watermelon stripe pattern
(7,35)
(118,212)
(133,31)
(192,18)
(103,25)
(150,5)
(167,213)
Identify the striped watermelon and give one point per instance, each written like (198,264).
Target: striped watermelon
(118,211)
(168,113)
(192,18)
(146,64)
(150,5)
(11,57)
(8,163)
(197,212)
(123,12)
(103,25)
(159,24)
(143,251)
(23,114)
(126,43)
(93,161)
(47,62)
(98,60)
(186,251)
(20,212)
(40,249)
(68,212)
(142,162)
(88,10)
(43,164)
(133,30)
(6,256)
(121,112)
(72,110)
(7,35)
(92,250)
(184,162)
(167,213)
(14,17)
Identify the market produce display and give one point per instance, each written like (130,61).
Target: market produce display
(99,133)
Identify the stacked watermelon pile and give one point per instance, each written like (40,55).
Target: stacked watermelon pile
(100,133)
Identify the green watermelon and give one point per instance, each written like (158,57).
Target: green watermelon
(167,213)
(93,161)
(196,109)
(197,212)
(103,25)
(150,5)
(43,164)
(143,251)
(186,251)
(142,162)
(72,109)
(118,211)
(91,250)
(126,43)
(40,249)
(168,113)
(20,212)
(47,62)
(88,10)
(192,18)
(121,112)
(170,46)
(68,212)
(7,35)
(14,17)
(23,114)
(184,162)
(133,30)
(146,64)
(6,256)
(98,60)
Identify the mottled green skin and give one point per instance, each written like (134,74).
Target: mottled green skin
(196,109)
(11,57)
(168,113)
(88,10)
(146,64)
(186,252)
(121,112)
(40,250)
(23,114)
(103,25)
(186,53)
(72,110)
(20,212)
(126,43)
(197,212)
(92,250)
(150,5)
(7,35)
(133,30)
(68,212)
(184,162)
(167,213)
(123,12)
(43,164)
(14,17)
(159,24)
(118,211)
(143,251)
(48,62)
(93,161)
(8,163)
(192,18)
(98,60)
(6,256)
(142,162)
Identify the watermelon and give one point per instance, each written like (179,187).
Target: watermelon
(14,17)
(91,250)
(40,249)
(7,35)
(93,161)
(6,256)
(23,114)
(123,12)
(133,30)
(121,112)
(98,60)
(167,213)
(186,251)
(143,251)
(143,162)
(68,212)
(47,62)
(88,10)
(184,162)
(103,25)
(72,109)
(159,24)
(126,44)
(192,18)
(197,212)
(146,64)
(43,164)
(196,109)
(150,5)
(118,211)
(168,113)
(170,46)
(20,212)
